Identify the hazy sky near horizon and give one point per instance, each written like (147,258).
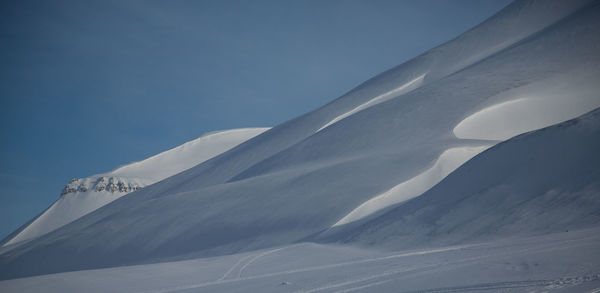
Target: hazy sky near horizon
(87,86)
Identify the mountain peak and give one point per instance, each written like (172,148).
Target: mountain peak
(83,195)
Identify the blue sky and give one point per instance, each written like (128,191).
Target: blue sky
(87,86)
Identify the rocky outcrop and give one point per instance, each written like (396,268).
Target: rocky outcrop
(103,183)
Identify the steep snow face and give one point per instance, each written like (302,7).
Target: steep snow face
(518,21)
(294,181)
(540,182)
(84,195)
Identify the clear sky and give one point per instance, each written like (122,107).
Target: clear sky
(86,86)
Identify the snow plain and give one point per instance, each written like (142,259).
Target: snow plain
(558,262)
(240,221)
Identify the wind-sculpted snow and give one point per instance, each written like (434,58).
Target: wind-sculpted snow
(535,105)
(448,161)
(293,181)
(84,195)
(539,182)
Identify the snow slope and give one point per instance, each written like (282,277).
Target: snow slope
(294,181)
(539,182)
(85,195)
(408,86)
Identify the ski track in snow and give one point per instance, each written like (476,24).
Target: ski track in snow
(241,266)
(551,246)
(390,274)
(235,265)
(369,272)
(241,271)
(224,280)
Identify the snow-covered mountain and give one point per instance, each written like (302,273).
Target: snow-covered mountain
(391,139)
(84,195)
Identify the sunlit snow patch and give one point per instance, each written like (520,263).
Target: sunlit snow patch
(447,162)
(410,85)
(535,107)
(187,155)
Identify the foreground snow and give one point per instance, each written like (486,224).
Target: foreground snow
(560,262)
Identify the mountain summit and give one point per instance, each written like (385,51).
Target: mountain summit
(84,195)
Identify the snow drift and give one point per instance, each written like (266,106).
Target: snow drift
(446,163)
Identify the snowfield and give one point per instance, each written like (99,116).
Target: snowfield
(560,262)
(472,167)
